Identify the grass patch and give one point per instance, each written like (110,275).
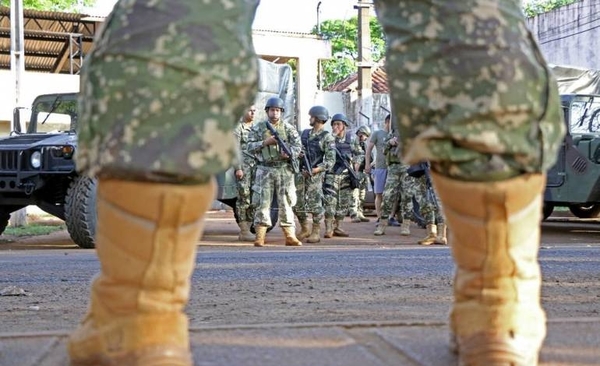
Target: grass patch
(33,229)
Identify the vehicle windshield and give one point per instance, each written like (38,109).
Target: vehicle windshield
(585,115)
(53,115)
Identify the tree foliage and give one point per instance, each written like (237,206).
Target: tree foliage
(343,35)
(535,7)
(53,5)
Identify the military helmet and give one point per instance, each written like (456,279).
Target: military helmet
(319,112)
(274,102)
(364,129)
(340,117)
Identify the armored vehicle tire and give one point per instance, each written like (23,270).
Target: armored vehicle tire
(80,211)
(4,217)
(547,210)
(585,211)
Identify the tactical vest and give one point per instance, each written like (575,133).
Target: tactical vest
(271,153)
(312,147)
(345,148)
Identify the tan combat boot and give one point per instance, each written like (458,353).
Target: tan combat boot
(146,241)
(304,231)
(245,234)
(338,231)
(261,232)
(380,229)
(496,317)
(328,228)
(315,235)
(290,237)
(431,235)
(405,227)
(441,235)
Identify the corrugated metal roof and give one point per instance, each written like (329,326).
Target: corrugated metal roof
(55,42)
(350,83)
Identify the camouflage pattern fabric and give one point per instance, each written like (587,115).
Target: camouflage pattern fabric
(338,195)
(399,186)
(273,177)
(358,195)
(162,90)
(430,210)
(470,90)
(243,206)
(309,190)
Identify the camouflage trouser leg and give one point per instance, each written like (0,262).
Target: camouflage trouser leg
(476,108)
(159,105)
(393,189)
(269,180)
(300,209)
(337,196)
(315,196)
(243,204)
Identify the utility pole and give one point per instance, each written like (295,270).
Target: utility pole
(365,61)
(17,66)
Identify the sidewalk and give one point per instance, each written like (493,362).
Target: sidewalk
(569,342)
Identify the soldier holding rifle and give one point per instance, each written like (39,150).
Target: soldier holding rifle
(318,158)
(276,145)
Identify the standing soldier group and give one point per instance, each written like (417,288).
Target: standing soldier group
(323,175)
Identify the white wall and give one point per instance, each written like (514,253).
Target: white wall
(570,35)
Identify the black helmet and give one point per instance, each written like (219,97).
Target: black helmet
(319,112)
(364,129)
(340,117)
(275,102)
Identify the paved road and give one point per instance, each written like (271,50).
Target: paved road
(362,277)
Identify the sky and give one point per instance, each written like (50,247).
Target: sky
(284,15)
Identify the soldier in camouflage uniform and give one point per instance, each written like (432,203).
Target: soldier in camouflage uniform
(317,145)
(244,173)
(359,194)
(398,188)
(472,94)
(429,205)
(161,93)
(338,192)
(274,173)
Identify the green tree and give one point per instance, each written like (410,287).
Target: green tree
(53,5)
(535,7)
(343,35)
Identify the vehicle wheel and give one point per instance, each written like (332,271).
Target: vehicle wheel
(585,211)
(547,210)
(80,211)
(4,217)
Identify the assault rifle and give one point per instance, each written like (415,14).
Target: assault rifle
(283,147)
(354,180)
(306,162)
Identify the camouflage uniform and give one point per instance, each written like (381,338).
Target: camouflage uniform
(358,195)
(161,92)
(310,189)
(399,187)
(273,174)
(472,94)
(156,105)
(245,212)
(338,195)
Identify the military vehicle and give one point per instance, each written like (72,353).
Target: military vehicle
(574,181)
(37,168)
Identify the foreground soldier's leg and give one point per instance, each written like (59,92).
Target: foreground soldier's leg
(472,95)
(146,241)
(165,80)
